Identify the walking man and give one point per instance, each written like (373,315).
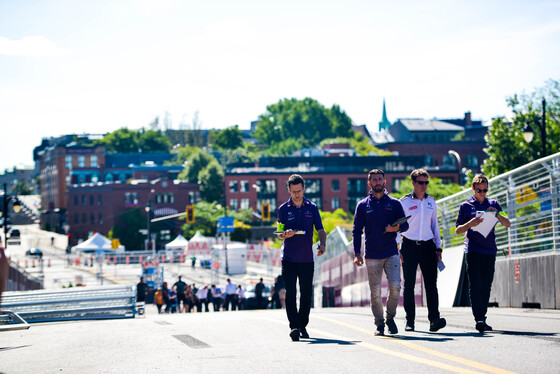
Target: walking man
(421,245)
(231,292)
(179,288)
(299,215)
(378,215)
(481,251)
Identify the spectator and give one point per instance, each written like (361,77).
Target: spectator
(141,290)
(259,294)
(231,293)
(179,288)
(202,298)
(158,299)
(240,298)
(4,268)
(217,298)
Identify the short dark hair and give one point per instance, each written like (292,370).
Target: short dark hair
(295,179)
(479,178)
(419,173)
(375,171)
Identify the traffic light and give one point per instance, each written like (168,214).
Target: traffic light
(265,211)
(190,213)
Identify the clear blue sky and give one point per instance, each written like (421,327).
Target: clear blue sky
(70,66)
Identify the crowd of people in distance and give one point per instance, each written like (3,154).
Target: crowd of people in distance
(185,298)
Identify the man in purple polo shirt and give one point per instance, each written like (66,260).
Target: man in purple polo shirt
(480,250)
(296,219)
(378,213)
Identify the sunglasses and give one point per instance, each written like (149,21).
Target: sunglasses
(422,182)
(480,190)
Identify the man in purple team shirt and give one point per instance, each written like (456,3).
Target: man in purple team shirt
(378,213)
(295,216)
(480,250)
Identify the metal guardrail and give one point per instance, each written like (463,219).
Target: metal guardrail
(80,303)
(530,195)
(12,321)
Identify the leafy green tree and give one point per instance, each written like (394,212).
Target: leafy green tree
(152,141)
(127,227)
(228,138)
(304,120)
(122,140)
(21,188)
(284,148)
(196,162)
(212,182)
(437,188)
(506,147)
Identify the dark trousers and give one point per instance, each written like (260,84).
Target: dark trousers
(480,269)
(199,304)
(291,271)
(230,299)
(421,253)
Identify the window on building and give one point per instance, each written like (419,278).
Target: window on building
(100,218)
(99,200)
(84,200)
(267,186)
(429,160)
(244,186)
(357,186)
(244,204)
(158,199)
(232,186)
(397,183)
(68,162)
(131,199)
(91,200)
(472,161)
(81,161)
(449,160)
(312,186)
(76,200)
(171,198)
(76,218)
(335,185)
(93,161)
(335,203)
(84,218)
(92,218)
(234,204)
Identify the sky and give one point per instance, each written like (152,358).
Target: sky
(74,67)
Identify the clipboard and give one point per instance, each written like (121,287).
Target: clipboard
(296,233)
(400,221)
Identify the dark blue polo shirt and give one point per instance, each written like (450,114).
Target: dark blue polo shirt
(299,248)
(474,241)
(374,215)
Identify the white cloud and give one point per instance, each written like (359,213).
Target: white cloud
(34,46)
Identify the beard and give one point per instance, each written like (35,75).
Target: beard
(379,188)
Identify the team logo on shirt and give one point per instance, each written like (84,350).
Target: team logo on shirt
(388,207)
(413,207)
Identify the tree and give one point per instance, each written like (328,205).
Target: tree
(228,138)
(437,188)
(284,147)
(21,188)
(127,227)
(506,147)
(152,141)
(305,120)
(122,140)
(211,182)
(195,163)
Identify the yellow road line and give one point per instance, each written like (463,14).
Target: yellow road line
(459,360)
(406,356)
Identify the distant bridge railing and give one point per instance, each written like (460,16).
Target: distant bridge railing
(78,303)
(530,195)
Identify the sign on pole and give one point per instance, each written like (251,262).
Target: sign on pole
(225,224)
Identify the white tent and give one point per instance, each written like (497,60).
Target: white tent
(200,245)
(96,242)
(178,243)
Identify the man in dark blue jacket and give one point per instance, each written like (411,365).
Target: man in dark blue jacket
(377,214)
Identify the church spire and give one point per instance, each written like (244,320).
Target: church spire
(384,124)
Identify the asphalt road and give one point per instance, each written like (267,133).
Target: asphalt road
(342,340)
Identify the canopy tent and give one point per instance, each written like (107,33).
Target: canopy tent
(178,243)
(200,245)
(96,242)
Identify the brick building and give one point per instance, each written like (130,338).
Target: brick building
(95,207)
(331,182)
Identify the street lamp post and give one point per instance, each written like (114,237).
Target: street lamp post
(528,130)
(148,209)
(460,169)
(4,213)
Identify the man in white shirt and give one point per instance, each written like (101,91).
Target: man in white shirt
(231,292)
(202,297)
(421,245)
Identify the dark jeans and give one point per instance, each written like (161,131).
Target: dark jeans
(291,271)
(230,299)
(423,254)
(199,304)
(480,269)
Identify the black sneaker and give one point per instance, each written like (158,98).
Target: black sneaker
(294,334)
(438,324)
(380,330)
(480,326)
(303,333)
(409,326)
(487,327)
(392,326)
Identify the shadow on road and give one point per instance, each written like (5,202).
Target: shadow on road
(329,341)
(10,348)
(429,338)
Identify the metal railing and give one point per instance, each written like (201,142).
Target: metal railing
(79,303)
(530,195)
